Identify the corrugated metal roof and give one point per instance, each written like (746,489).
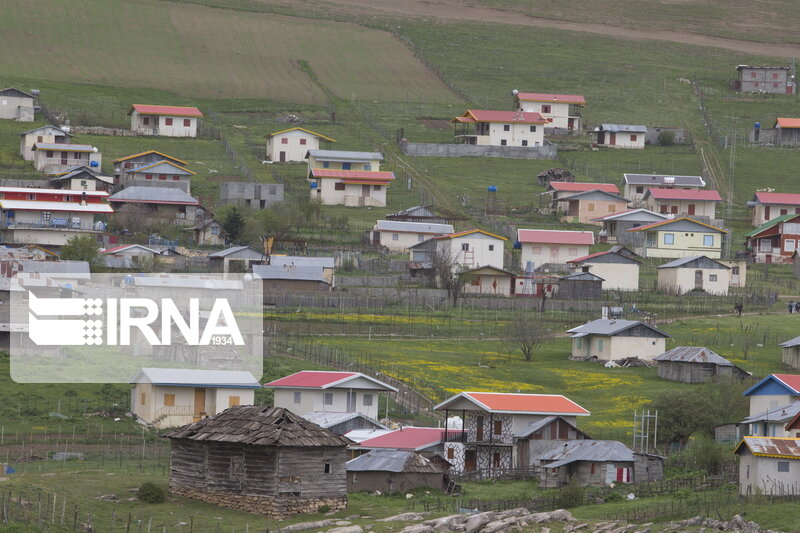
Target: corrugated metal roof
(594,194)
(297,128)
(407,438)
(770,224)
(544,422)
(791,382)
(636,215)
(663,179)
(73,207)
(151,167)
(623,128)
(60,147)
(68,134)
(662,225)
(365,175)
(11,91)
(684,194)
(186,377)
(414,227)
(323,379)
(344,155)
(611,327)
(686,262)
(327,419)
(517,403)
(188,282)
(582,187)
(781,198)
(582,276)
(791,342)
(771,447)
(296,273)
(156,195)
(788,123)
(58,192)
(140,154)
(693,354)
(79,269)
(177,111)
(588,450)
(302,261)
(617,258)
(392,461)
(236,250)
(512,117)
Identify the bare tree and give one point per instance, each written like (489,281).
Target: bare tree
(527,333)
(448,274)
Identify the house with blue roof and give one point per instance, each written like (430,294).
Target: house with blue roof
(772,392)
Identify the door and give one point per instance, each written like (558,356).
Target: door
(479,428)
(766,212)
(365,190)
(690,209)
(470,462)
(735,276)
(698,280)
(570,123)
(282,157)
(199,404)
(554,254)
(612,138)
(351,402)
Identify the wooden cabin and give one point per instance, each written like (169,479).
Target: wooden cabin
(695,364)
(392,471)
(260,460)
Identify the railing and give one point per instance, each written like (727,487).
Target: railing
(51,224)
(454,435)
(175,410)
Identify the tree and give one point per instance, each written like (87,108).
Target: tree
(82,248)
(132,217)
(527,333)
(448,274)
(233,224)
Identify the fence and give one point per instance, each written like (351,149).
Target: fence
(233,155)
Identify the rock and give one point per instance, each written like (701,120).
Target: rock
(576,527)
(446,523)
(404,517)
(319,524)
(492,527)
(417,528)
(108,498)
(346,529)
(477,521)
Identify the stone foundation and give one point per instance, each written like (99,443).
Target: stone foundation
(272,506)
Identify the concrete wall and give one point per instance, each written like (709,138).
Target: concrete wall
(486,284)
(372,164)
(685,245)
(623,139)
(353,195)
(761,474)
(403,240)
(313,400)
(558,117)
(483,250)
(701,208)
(682,280)
(470,150)
(523,135)
(764,213)
(16,108)
(293,144)
(762,402)
(550,253)
(586,210)
(607,348)
(617,276)
(158,125)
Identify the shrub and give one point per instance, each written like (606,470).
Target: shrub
(324,509)
(151,493)
(613,497)
(666,138)
(572,494)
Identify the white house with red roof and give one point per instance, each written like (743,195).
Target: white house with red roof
(635,185)
(619,271)
(340,392)
(50,216)
(560,110)
(352,188)
(465,249)
(542,246)
(164,120)
(767,205)
(683,202)
(57,157)
(500,128)
(494,423)
(561,189)
(293,144)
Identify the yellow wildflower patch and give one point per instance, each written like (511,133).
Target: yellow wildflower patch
(582,380)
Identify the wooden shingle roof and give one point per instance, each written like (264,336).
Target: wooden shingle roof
(258,426)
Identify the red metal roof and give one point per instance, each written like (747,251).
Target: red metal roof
(790,380)
(371,175)
(557,98)
(166,110)
(409,438)
(584,258)
(684,194)
(311,379)
(788,123)
(527,403)
(518,117)
(543,236)
(671,220)
(581,187)
(778,198)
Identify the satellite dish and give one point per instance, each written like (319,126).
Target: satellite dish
(35,92)
(515,92)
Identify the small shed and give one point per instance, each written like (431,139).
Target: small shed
(580,286)
(695,273)
(695,364)
(554,174)
(621,135)
(391,471)
(489,280)
(791,352)
(260,460)
(543,436)
(588,462)
(235,259)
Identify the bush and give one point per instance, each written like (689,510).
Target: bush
(324,509)
(572,494)
(666,138)
(614,497)
(151,493)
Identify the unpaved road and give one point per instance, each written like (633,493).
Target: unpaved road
(456,11)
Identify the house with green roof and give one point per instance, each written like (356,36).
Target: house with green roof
(776,240)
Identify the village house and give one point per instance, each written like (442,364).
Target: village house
(129,256)
(764,79)
(683,202)
(158,174)
(773,391)
(489,280)
(344,160)
(43,134)
(620,135)
(343,423)
(53,157)
(499,128)
(680,237)
(787,132)
(540,247)
(562,111)
(636,185)
(491,423)
(393,471)
(126,165)
(579,286)
(250,195)
(170,397)
(291,278)
(339,392)
(619,271)
(167,121)
(791,352)
(424,440)
(417,213)
(16,105)
(292,145)
(770,423)
(696,364)
(81,179)
(608,340)
(326,265)
(464,250)
(50,217)
(775,241)
(583,207)
(769,466)
(616,226)
(399,236)
(694,273)
(559,190)
(208,232)
(352,188)
(543,436)
(234,259)
(768,205)
(259,460)
(164,204)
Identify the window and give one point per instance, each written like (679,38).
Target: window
(128,165)
(176,178)
(506,127)
(640,189)
(233,401)
(214,230)
(712,277)
(169,400)
(784,211)
(579,342)
(142,399)
(708,240)
(289,479)
(546,108)
(776,85)
(775,75)
(327,467)
(674,209)
(476,281)
(496,460)
(162,177)
(593,465)
(669,238)
(146,121)
(168,122)
(503,142)
(491,247)
(346,166)
(533,129)
(572,251)
(395,236)
(590,207)
(420,238)
(49,153)
(753,74)
(633,138)
(285,140)
(237,466)
(31,197)
(303,141)
(663,209)
(367,167)
(298,396)
(46,215)
(451,453)
(465,246)
(355,477)
(789,245)
(367,400)
(600,344)
(524,143)
(327,398)
(326,164)
(376,187)
(783,466)
(338,186)
(187,122)
(612,208)
(498,427)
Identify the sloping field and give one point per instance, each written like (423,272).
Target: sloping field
(201,51)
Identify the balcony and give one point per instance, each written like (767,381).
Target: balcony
(464,437)
(54,223)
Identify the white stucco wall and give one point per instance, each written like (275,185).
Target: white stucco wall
(483,250)
(403,239)
(293,148)
(617,276)
(351,196)
(559,112)
(517,135)
(158,125)
(607,348)
(313,400)
(682,280)
(16,108)
(550,253)
(625,140)
(685,244)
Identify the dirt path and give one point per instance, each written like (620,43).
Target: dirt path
(456,11)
